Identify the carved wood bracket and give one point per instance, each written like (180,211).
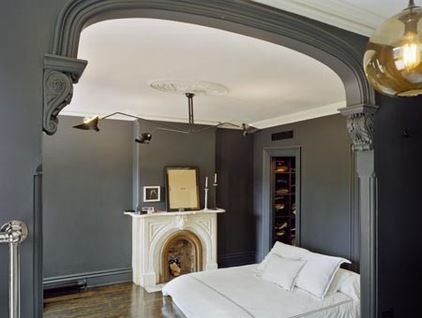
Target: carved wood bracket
(60,73)
(360,124)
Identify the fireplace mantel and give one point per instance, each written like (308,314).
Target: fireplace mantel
(151,231)
(165,213)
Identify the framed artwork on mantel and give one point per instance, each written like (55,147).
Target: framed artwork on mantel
(152,194)
(182,188)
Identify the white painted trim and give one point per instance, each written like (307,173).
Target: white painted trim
(334,12)
(326,110)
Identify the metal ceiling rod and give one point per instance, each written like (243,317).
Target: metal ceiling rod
(190,110)
(14,233)
(411,4)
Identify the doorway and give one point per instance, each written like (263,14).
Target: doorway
(283,199)
(281,195)
(242,19)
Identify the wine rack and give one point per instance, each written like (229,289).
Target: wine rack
(284,199)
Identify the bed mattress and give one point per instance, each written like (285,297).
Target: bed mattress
(238,292)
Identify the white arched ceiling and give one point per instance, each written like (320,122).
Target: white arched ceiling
(268,84)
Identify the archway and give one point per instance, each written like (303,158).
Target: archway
(62,69)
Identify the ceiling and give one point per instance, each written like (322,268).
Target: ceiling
(267,83)
(359,16)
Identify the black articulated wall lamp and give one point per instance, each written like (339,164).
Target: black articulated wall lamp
(89,124)
(145,138)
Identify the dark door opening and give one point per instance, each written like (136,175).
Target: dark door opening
(283,199)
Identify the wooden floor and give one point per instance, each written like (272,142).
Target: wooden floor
(117,301)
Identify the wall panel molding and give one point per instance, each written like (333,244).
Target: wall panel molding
(95,278)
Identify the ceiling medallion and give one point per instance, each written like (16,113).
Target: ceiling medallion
(194,87)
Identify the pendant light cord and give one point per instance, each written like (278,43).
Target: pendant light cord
(411,4)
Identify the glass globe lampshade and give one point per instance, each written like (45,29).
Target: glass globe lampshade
(393,59)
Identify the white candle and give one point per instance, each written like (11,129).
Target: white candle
(215,178)
(206,182)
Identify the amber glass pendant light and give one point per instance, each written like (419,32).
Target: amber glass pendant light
(393,59)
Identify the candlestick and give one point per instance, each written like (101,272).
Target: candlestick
(215,185)
(206,199)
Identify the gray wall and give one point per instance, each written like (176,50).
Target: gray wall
(87,185)
(174,149)
(236,227)
(326,169)
(398,165)
(26,31)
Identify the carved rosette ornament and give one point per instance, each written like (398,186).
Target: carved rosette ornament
(60,73)
(360,124)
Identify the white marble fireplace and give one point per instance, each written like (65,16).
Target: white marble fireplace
(151,232)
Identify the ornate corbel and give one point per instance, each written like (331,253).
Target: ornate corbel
(360,124)
(60,73)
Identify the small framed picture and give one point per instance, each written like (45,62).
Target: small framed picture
(152,194)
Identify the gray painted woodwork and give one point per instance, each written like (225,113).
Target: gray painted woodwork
(60,73)
(87,184)
(236,227)
(314,39)
(38,234)
(326,208)
(368,231)
(360,124)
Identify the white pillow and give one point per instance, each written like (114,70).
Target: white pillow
(282,271)
(283,250)
(339,278)
(318,273)
(351,286)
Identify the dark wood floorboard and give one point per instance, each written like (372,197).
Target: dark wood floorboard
(116,301)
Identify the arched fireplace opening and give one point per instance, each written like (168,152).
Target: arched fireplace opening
(181,254)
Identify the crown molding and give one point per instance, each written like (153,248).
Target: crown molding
(334,12)
(317,112)
(312,113)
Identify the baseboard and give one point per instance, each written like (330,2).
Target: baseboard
(94,279)
(236,259)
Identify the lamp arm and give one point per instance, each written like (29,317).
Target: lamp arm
(172,130)
(164,126)
(218,125)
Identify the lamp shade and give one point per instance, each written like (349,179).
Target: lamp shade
(393,59)
(91,124)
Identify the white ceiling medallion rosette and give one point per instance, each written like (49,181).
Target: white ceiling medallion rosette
(194,87)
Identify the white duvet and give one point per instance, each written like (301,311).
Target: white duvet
(237,292)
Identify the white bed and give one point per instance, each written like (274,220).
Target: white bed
(238,292)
